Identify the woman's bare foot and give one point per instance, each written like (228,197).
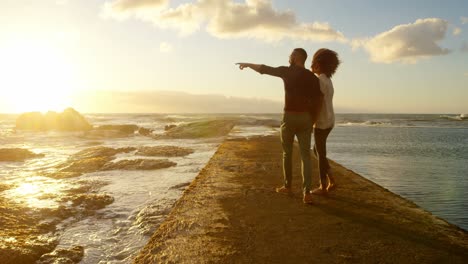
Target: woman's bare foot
(284,190)
(331,183)
(319,191)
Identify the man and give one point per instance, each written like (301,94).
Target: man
(302,103)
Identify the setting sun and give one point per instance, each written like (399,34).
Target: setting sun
(36,76)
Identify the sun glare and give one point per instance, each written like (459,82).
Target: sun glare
(37,191)
(36,76)
(27,189)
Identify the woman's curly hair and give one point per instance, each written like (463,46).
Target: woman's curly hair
(327,60)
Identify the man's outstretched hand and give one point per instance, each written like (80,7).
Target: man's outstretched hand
(243,65)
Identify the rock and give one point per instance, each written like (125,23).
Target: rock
(93,143)
(84,165)
(62,174)
(63,256)
(100,151)
(68,120)
(29,235)
(85,186)
(201,129)
(127,129)
(164,151)
(150,217)
(4,187)
(112,131)
(61,212)
(93,201)
(99,158)
(17,154)
(145,131)
(139,164)
(51,119)
(26,252)
(31,121)
(23,239)
(71,120)
(169,127)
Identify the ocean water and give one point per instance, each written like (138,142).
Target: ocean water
(423,158)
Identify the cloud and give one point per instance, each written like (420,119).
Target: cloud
(125,5)
(256,19)
(406,43)
(122,9)
(165,47)
(466,74)
(457,31)
(464,20)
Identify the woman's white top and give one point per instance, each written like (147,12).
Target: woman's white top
(326,117)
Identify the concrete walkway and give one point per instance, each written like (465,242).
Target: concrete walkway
(231,214)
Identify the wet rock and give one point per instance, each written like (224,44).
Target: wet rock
(93,201)
(128,129)
(85,186)
(99,151)
(31,121)
(201,129)
(88,160)
(169,127)
(68,120)
(25,252)
(28,233)
(22,238)
(145,131)
(112,131)
(17,154)
(47,226)
(150,217)
(164,151)
(99,159)
(4,187)
(93,143)
(61,212)
(71,120)
(63,256)
(62,174)
(139,164)
(84,165)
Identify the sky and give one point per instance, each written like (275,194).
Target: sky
(179,55)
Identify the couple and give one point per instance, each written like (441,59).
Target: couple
(308,108)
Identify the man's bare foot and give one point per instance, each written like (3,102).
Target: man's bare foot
(307,198)
(284,190)
(320,191)
(331,183)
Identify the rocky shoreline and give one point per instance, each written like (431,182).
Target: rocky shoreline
(230,214)
(29,235)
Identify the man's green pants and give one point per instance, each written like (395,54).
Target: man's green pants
(300,125)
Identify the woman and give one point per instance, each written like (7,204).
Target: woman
(324,65)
